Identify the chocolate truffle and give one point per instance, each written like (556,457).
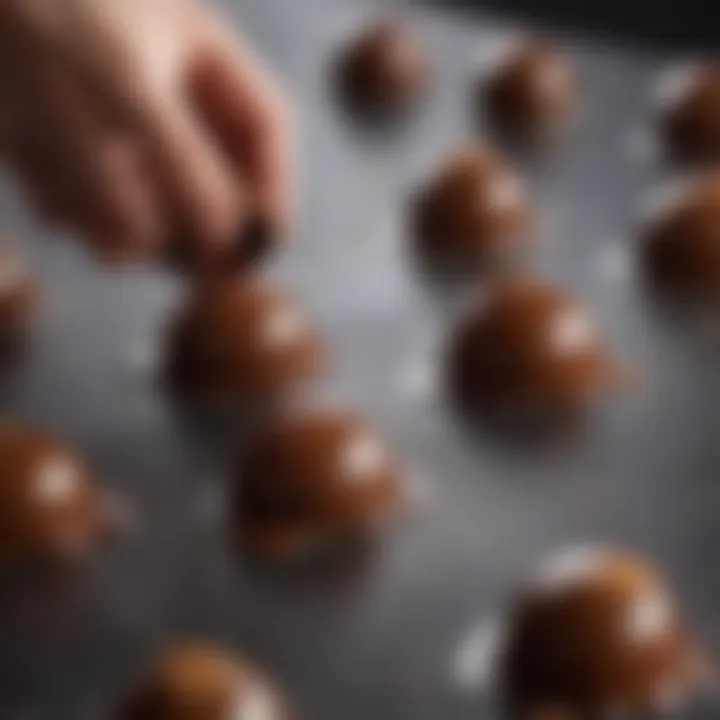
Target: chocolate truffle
(525,351)
(532,92)
(240,339)
(50,505)
(18,294)
(471,214)
(689,121)
(200,682)
(383,70)
(680,242)
(310,477)
(596,634)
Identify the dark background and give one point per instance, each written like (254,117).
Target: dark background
(686,25)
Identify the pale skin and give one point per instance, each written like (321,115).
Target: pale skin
(135,122)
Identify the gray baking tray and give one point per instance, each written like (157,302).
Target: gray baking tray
(380,640)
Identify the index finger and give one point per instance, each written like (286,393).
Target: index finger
(250,119)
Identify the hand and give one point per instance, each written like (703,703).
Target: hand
(138,122)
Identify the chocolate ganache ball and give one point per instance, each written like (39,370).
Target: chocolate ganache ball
(532,92)
(595,634)
(383,70)
(473,213)
(240,339)
(200,682)
(689,119)
(680,241)
(311,477)
(18,295)
(525,351)
(50,505)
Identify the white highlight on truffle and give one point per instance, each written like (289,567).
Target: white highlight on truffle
(363,456)
(283,327)
(648,618)
(568,568)
(573,331)
(57,481)
(254,704)
(474,663)
(554,76)
(506,192)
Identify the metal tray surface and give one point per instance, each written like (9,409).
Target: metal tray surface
(379,640)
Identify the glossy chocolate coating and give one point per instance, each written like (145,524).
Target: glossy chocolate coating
(680,243)
(199,682)
(525,350)
(383,70)
(309,476)
(471,214)
(50,506)
(690,123)
(595,633)
(240,339)
(18,294)
(532,92)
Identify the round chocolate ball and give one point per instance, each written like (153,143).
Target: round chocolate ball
(18,294)
(472,214)
(689,120)
(532,92)
(50,505)
(595,633)
(239,339)
(383,70)
(680,242)
(201,682)
(525,351)
(311,477)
